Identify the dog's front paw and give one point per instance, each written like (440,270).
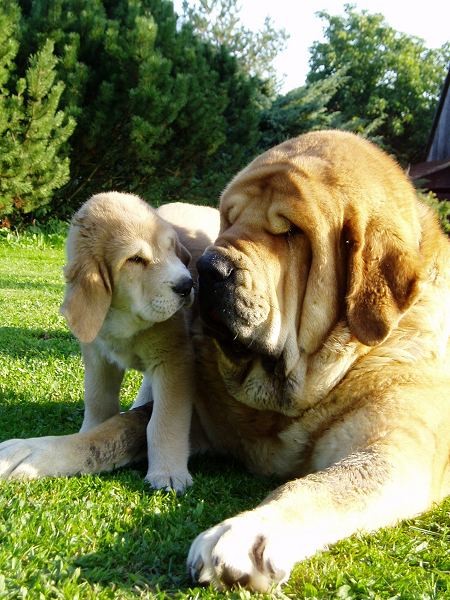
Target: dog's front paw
(28,458)
(169,479)
(247,550)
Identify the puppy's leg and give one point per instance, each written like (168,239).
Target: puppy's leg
(102,381)
(168,429)
(117,442)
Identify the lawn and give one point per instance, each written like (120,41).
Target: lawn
(109,536)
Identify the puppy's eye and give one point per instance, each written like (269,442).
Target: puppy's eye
(138,260)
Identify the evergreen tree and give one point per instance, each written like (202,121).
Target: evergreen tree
(306,109)
(301,110)
(33,132)
(159,111)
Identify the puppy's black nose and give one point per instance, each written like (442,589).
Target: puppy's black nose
(213,268)
(183,286)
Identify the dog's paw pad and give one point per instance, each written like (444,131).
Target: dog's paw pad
(177,481)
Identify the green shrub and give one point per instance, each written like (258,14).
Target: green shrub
(442,207)
(159,111)
(33,131)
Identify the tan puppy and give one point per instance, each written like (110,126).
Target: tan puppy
(322,356)
(127,280)
(126,283)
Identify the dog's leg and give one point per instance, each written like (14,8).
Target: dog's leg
(118,441)
(102,381)
(169,427)
(368,489)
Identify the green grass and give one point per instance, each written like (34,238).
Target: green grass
(109,536)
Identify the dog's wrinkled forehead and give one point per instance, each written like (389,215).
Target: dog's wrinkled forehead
(275,199)
(264,184)
(309,178)
(245,211)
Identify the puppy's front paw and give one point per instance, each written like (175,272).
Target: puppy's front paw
(169,479)
(246,550)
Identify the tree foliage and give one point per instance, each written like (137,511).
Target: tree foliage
(159,111)
(141,100)
(33,131)
(301,110)
(219,23)
(393,80)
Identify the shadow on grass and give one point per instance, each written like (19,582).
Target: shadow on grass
(150,554)
(22,418)
(20,342)
(31,284)
(149,551)
(144,547)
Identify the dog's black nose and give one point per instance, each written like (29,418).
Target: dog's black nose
(217,294)
(213,268)
(183,287)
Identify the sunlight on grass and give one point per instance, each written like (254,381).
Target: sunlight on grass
(109,536)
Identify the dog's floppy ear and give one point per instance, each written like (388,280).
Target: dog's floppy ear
(88,288)
(383,278)
(87,299)
(183,253)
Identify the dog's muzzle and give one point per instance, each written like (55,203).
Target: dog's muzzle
(233,310)
(183,286)
(216,277)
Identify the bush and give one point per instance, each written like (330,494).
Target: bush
(442,207)
(159,112)
(33,132)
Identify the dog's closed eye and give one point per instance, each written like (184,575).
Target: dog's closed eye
(293,231)
(137,259)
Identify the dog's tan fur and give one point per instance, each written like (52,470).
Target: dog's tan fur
(325,357)
(341,291)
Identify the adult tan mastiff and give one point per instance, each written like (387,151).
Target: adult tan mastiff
(323,355)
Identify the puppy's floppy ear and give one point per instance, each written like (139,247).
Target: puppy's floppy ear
(88,290)
(383,278)
(183,253)
(87,299)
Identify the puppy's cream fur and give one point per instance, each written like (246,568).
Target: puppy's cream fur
(126,285)
(127,299)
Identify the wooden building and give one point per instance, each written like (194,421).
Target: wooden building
(435,171)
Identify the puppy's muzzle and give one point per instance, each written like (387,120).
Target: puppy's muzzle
(183,286)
